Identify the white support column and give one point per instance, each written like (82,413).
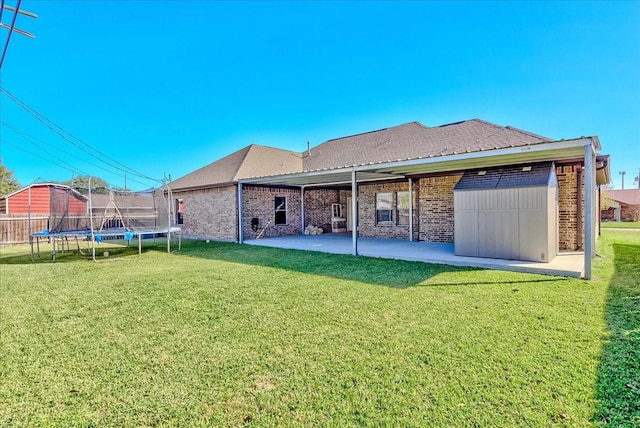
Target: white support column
(354,212)
(410,209)
(589,208)
(240,234)
(302,219)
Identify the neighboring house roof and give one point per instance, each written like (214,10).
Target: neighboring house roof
(122,200)
(627,196)
(251,161)
(414,140)
(505,178)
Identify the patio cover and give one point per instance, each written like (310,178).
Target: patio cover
(580,149)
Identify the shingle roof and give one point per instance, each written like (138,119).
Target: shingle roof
(505,178)
(122,200)
(251,161)
(408,141)
(413,140)
(627,196)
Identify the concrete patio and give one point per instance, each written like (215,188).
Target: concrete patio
(570,264)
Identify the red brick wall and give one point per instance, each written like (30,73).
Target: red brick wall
(367,211)
(258,202)
(210,213)
(317,207)
(568,206)
(436,208)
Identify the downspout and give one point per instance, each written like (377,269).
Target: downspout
(410,209)
(579,242)
(239,205)
(302,217)
(599,211)
(354,211)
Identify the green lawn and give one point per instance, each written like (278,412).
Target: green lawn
(620,224)
(230,335)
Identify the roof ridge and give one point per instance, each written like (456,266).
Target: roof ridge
(248,148)
(275,148)
(500,127)
(376,130)
(522,131)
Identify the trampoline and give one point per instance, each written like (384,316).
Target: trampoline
(93,216)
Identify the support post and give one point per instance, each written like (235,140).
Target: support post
(29,221)
(410,209)
(354,212)
(589,208)
(93,237)
(240,234)
(302,219)
(169,197)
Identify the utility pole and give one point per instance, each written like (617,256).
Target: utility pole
(622,173)
(638,178)
(12,28)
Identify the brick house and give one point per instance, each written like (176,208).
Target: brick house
(404,178)
(625,205)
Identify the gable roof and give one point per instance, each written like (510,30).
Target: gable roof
(410,148)
(413,140)
(627,196)
(251,161)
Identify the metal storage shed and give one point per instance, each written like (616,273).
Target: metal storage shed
(508,213)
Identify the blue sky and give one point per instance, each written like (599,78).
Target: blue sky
(167,87)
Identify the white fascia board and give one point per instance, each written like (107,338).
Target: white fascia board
(287,177)
(579,144)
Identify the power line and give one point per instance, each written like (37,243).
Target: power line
(12,28)
(31,139)
(41,157)
(67,136)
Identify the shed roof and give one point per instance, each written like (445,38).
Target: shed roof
(504,178)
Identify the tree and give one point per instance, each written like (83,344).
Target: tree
(81,184)
(8,182)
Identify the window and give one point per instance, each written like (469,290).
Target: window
(280,210)
(179,211)
(384,207)
(402,208)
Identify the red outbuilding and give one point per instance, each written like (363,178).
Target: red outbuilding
(44,199)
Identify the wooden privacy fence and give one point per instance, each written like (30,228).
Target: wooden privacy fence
(14,229)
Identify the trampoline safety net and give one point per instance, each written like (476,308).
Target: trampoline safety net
(104,209)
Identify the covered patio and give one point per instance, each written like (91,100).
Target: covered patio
(570,264)
(574,263)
